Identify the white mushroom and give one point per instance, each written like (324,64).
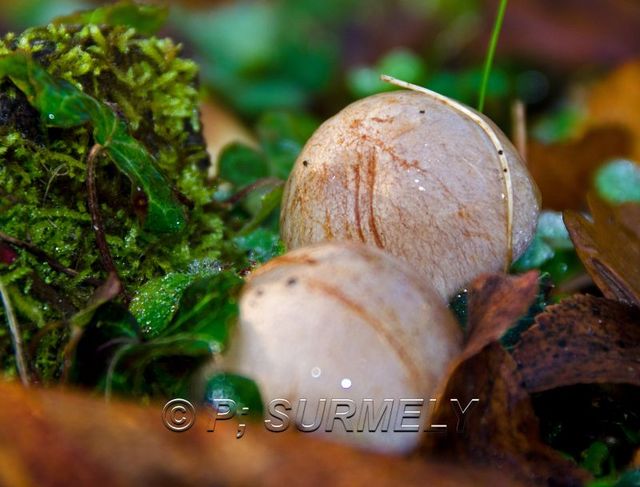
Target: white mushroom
(344,321)
(419,175)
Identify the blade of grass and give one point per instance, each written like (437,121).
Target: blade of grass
(14,330)
(488,62)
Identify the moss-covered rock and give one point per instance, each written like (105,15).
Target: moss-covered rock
(43,196)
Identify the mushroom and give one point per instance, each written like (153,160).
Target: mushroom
(344,321)
(417,174)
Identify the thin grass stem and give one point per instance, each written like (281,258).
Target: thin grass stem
(488,61)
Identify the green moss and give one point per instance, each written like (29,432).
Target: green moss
(43,198)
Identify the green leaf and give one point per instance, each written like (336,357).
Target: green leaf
(261,244)
(208,309)
(536,254)
(242,165)
(404,65)
(240,389)
(558,125)
(146,19)
(156,302)
(63,105)
(265,204)
(401,63)
(109,327)
(258,96)
(619,182)
(551,249)
(364,81)
(463,85)
(282,136)
(629,479)
(459,306)
(595,457)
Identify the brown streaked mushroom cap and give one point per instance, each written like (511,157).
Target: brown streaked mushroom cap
(420,176)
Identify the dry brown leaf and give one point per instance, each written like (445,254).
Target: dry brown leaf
(566,35)
(582,340)
(503,429)
(56,438)
(616,101)
(609,248)
(564,171)
(495,303)
(221,128)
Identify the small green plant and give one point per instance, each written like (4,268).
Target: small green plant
(103,170)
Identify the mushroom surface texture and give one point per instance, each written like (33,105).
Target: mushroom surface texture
(424,177)
(345,321)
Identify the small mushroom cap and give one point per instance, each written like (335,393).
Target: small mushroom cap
(343,320)
(418,177)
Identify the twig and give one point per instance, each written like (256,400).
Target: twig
(49,294)
(96,218)
(69,353)
(260,183)
(16,337)
(488,62)
(41,254)
(519,127)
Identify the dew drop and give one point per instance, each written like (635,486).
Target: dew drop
(315,372)
(51,116)
(420,188)
(345,383)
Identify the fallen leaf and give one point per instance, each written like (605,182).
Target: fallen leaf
(616,101)
(220,128)
(565,35)
(564,171)
(54,437)
(495,304)
(581,340)
(609,247)
(503,429)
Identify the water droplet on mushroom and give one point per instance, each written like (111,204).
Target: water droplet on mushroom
(345,383)
(315,372)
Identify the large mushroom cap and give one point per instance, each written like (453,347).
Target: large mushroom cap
(343,320)
(424,178)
